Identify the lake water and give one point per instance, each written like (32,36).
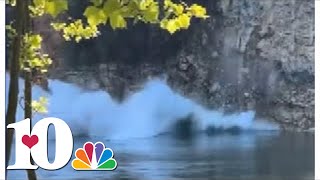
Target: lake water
(131,129)
(263,155)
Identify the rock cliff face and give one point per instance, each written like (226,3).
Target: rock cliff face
(249,54)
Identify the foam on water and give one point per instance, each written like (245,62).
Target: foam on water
(149,112)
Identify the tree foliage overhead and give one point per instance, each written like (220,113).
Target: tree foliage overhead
(26,45)
(31,57)
(167,14)
(116,13)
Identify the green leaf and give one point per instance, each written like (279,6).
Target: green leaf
(178,9)
(170,25)
(97,2)
(167,3)
(35,41)
(39,2)
(58,26)
(198,11)
(55,7)
(117,21)
(95,16)
(184,21)
(151,14)
(111,6)
(40,105)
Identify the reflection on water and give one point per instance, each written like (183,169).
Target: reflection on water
(268,155)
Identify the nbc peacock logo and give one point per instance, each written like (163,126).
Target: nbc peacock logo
(94,157)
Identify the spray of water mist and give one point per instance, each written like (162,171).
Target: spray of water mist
(149,112)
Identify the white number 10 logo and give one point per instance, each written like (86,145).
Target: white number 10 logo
(36,144)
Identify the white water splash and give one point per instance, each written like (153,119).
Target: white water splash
(149,112)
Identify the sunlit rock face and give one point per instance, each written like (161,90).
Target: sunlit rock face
(249,55)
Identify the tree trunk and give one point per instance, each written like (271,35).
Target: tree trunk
(28,89)
(22,25)
(28,113)
(14,74)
